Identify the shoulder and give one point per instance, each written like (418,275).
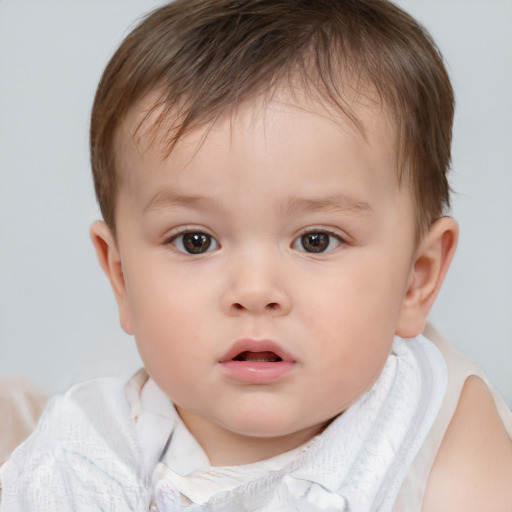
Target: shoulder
(473,467)
(93,410)
(93,406)
(83,447)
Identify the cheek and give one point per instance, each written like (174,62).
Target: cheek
(352,321)
(365,296)
(169,341)
(165,312)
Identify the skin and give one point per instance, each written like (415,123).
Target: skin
(473,467)
(253,185)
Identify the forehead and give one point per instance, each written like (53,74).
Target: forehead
(154,128)
(299,147)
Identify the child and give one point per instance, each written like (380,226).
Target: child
(272,177)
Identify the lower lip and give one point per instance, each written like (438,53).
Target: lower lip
(256,372)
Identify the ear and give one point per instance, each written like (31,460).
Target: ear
(431,262)
(110,260)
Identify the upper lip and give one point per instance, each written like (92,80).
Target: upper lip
(256,345)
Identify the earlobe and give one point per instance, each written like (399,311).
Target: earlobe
(433,257)
(110,261)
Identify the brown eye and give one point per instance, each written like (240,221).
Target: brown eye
(316,242)
(194,243)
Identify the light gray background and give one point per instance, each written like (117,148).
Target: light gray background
(58,321)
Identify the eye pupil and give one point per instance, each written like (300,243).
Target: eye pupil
(196,243)
(315,242)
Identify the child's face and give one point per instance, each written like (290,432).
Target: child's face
(265,265)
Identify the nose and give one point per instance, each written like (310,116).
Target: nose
(255,286)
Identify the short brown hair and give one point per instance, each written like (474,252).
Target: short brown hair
(209,56)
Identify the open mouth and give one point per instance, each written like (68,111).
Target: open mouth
(257,362)
(257,351)
(263,357)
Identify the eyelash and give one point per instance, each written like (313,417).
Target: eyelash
(178,240)
(331,237)
(319,237)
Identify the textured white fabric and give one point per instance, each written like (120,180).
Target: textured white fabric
(86,454)
(200,486)
(83,457)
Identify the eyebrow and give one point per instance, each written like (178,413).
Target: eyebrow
(335,203)
(168,199)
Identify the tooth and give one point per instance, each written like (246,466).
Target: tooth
(259,357)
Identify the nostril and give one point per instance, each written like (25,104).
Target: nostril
(257,307)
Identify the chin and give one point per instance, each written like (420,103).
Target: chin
(260,425)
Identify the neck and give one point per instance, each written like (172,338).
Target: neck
(226,448)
